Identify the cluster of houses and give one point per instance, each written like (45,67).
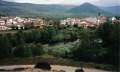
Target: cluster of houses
(88,21)
(11,22)
(84,22)
(8,23)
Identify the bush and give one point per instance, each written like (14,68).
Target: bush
(43,65)
(28,50)
(22,51)
(36,49)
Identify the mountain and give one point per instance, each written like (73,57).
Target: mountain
(28,9)
(87,9)
(113,9)
(13,8)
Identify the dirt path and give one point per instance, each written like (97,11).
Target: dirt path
(54,67)
(72,69)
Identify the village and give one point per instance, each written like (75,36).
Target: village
(17,23)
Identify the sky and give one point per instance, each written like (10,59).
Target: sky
(71,2)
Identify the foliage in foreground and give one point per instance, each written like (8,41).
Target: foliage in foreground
(98,45)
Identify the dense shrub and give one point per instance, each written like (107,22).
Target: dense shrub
(97,45)
(28,50)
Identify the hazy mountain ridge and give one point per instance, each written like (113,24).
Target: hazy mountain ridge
(88,9)
(113,9)
(27,8)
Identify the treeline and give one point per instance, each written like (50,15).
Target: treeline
(20,42)
(99,45)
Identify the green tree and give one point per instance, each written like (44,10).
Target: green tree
(22,51)
(20,39)
(37,49)
(47,34)
(110,34)
(89,48)
(5,46)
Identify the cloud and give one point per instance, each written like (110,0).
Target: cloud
(37,1)
(74,2)
(107,2)
(77,1)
